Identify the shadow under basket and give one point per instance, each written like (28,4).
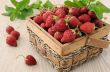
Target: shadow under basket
(64,57)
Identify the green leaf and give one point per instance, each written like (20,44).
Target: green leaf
(48,4)
(13,15)
(102,7)
(21,5)
(14,2)
(23,14)
(74,4)
(37,4)
(9,10)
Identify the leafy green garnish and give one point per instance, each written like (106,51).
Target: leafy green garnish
(93,5)
(22,9)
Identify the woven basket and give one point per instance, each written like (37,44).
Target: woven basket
(64,57)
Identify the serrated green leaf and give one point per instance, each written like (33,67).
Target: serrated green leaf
(74,4)
(37,4)
(13,15)
(102,7)
(21,5)
(14,2)
(48,4)
(23,14)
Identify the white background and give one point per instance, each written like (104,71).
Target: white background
(9,62)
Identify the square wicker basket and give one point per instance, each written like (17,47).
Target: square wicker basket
(64,57)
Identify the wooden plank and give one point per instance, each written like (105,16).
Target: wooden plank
(77,44)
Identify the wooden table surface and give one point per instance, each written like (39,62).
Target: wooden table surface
(8,55)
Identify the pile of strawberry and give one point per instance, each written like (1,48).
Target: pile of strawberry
(67,24)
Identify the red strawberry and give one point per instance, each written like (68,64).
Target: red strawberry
(9,29)
(84,10)
(92,14)
(98,23)
(65,9)
(87,27)
(74,22)
(38,19)
(58,35)
(74,11)
(16,34)
(60,13)
(43,25)
(11,40)
(60,25)
(30,60)
(50,21)
(51,31)
(85,18)
(68,36)
(45,15)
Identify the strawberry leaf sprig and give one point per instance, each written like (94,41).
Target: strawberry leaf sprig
(93,5)
(23,9)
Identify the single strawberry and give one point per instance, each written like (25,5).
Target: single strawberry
(74,11)
(50,21)
(74,22)
(43,25)
(45,15)
(30,60)
(84,9)
(84,18)
(60,13)
(58,35)
(16,34)
(66,9)
(9,29)
(11,40)
(51,31)
(92,14)
(60,25)
(68,36)
(98,23)
(38,19)
(87,27)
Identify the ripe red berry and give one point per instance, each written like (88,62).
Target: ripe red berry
(50,21)
(68,36)
(9,29)
(16,34)
(98,23)
(84,18)
(51,31)
(38,19)
(43,25)
(45,15)
(58,35)
(30,60)
(60,13)
(60,25)
(65,9)
(84,10)
(11,40)
(87,27)
(74,11)
(74,22)
(92,14)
